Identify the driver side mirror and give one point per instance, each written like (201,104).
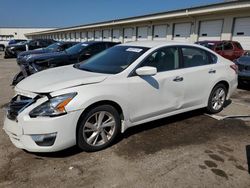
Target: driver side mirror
(146,71)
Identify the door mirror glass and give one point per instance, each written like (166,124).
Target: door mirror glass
(146,71)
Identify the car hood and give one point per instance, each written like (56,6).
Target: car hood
(15,45)
(49,55)
(59,78)
(31,52)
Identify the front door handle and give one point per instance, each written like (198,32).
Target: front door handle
(212,71)
(178,79)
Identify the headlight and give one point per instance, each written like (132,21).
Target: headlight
(53,107)
(12,47)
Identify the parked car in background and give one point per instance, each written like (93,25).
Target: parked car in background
(75,54)
(3,44)
(14,49)
(55,47)
(243,64)
(15,41)
(229,49)
(88,104)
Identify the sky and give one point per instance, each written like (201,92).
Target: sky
(66,13)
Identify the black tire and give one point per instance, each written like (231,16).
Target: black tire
(210,108)
(81,141)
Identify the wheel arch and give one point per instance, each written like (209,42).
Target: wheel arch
(98,103)
(224,82)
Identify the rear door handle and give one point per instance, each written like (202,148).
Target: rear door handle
(212,71)
(178,79)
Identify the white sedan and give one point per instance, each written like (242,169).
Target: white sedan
(90,103)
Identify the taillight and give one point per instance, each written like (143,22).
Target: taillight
(234,67)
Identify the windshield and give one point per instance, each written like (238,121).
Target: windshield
(209,45)
(113,60)
(76,48)
(53,46)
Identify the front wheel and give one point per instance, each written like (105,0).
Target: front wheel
(217,99)
(98,128)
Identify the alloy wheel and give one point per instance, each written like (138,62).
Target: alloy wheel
(99,128)
(218,99)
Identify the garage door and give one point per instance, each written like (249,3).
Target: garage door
(116,35)
(128,34)
(72,36)
(83,36)
(182,32)
(242,32)
(142,33)
(160,32)
(106,35)
(210,30)
(98,35)
(90,35)
(68,37)
(77,36)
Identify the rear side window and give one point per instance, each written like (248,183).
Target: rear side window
(193,57)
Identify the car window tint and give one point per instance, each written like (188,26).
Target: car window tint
(94,49)
(219,47)
(164,59)
(228,46)
(213,58)
(193,57)
(238,45)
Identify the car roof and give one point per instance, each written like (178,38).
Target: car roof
(67,42)
(96,42)
(152,44)
(215,41)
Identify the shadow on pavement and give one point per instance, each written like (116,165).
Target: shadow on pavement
(244,86)
(129,132)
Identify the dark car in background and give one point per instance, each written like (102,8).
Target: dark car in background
(55,47)
(15,41)
(75,54)
(228,49)
(243,70)
(14,49)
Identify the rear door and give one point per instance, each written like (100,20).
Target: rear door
(198,73)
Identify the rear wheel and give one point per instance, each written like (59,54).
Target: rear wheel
(98,128)
(217,99)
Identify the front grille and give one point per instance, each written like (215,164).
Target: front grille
(17,104)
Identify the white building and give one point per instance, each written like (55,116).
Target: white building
(9,33)
(221,21)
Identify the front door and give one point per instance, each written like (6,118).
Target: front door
(159,94)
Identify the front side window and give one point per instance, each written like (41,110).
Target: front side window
(76,48)
(164,59)
(228,46)
(219,47)
(94,49)
(193,57)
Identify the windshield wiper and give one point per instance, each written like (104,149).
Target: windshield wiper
(86,69)
(77,65)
